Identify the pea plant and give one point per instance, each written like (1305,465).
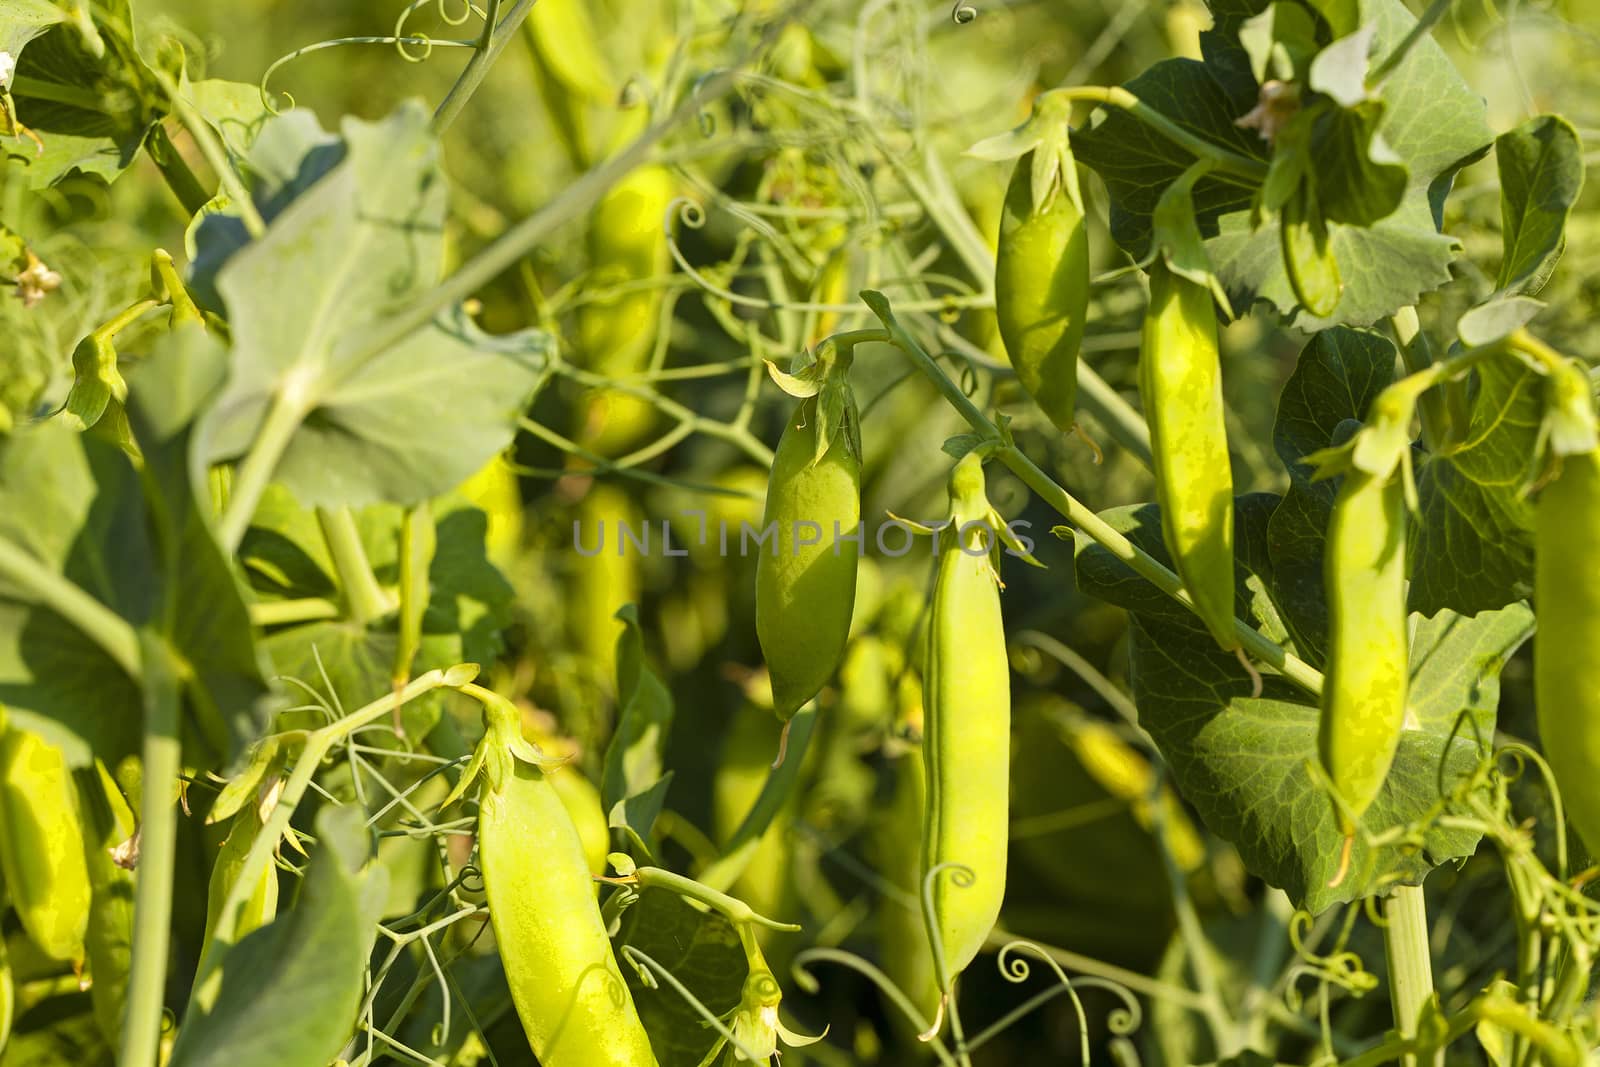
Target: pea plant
(664,532)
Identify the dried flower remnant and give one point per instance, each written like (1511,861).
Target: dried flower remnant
(1278,103)
(36,282)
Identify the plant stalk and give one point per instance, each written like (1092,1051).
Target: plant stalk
(1405,940)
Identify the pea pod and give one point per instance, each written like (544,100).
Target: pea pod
(806,580)
(1566,591)
(1364,688)
(8,995)
(903,936)
(108,825)
(572,72)
(41,845)
(967,740)
(262,905)
(616,335)
(569,994)
(1041,288)
(1180,382)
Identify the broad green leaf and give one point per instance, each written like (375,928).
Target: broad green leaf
(1242,761)
(142,547)
(1429,119)
(91,112)
(1280,41)
(1472,545)
(290,990)
(1497,319)
(634,758)
(1541,174)
(23,20)
(342,254)
(702,951)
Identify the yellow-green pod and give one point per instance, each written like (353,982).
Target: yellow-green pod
(616,334)
(902,934)
(108,825)
(582,801)
(609,536)
(806,574)
(1041,291)
(742,771)
(572,73)
(1180,382)
(1364,679)
(494,489)
(41,845)
(8,995)
(966,742)
(574,1005)
(262,905)
(1566,653)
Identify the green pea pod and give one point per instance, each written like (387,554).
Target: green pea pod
(8,996)
(262,905)
(1566,655)
(41,845)
(1041,291)
(1364,688)
(108,826)
(569,994)
(616,335)
(903,936)
(806,580)
(572,73)
(1180,382)
(967,740)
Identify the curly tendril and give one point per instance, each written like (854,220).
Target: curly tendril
(962,13)
(800,968)
(426,43)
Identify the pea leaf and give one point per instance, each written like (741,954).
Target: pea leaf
(401,425)
(633,767)
(702,951)
(1241,761)
(1541,174)
(1384,233)
(23,20)
(72,502)
(290,990)
(92,112)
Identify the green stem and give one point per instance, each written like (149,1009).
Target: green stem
(1405,940)
(733,909)
(317,745)
(216,157)
(41,585)
(573,201)
(496,35)
(363,596)
(175,170)
(1145,565)
(158,832)
(251,478)
(287,612)
(1223,160)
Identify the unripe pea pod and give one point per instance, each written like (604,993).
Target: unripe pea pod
(1566,592)
(578,795)
(8,996)
(572,73)
(108,827)
(902,933)
(261,906)
(41,845)
(1041,289)
(805,585)
(565,984)
(1180,382)
(1365,677)
(616,335)
(967,728)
